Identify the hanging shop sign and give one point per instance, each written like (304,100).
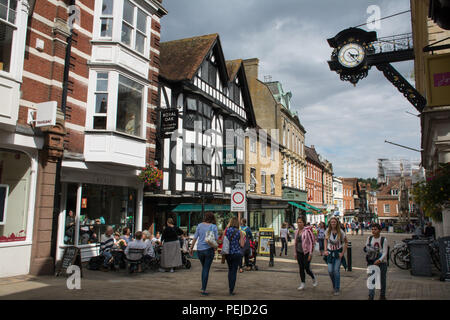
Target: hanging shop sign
(229,157)
(169,120)
(438,79)
(45,114)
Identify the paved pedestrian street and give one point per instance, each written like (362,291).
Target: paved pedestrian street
(279,282)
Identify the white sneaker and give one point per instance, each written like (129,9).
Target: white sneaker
(315,283)
(302,286)
(171,270)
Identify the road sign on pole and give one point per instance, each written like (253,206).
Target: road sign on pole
(238,198)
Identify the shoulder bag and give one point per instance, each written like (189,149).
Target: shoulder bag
(210,239)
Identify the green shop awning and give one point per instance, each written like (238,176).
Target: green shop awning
(312,207)
(195,207)
(299,206)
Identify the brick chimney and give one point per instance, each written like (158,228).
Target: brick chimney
(251,68)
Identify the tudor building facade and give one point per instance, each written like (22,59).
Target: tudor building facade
(210,99)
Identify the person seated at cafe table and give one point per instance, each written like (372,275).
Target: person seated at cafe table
(136,244)
(107,242)
(126,235)
(149,250)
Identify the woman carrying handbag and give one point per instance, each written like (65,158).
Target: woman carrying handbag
(206,234)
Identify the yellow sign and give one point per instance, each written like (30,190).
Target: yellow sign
(265,235)
(438,80)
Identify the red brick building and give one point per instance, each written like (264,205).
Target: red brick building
(100,64)
(314,173)
(350,198)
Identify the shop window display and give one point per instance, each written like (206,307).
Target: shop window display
(15,171)
(101,206)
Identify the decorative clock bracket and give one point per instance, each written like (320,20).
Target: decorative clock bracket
(355,51)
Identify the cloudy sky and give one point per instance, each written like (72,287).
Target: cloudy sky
(347,125)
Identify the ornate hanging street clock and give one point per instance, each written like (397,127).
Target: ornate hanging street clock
(349,57)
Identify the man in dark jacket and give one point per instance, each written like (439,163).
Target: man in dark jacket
(430,231)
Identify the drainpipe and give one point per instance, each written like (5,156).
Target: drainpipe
(58,187)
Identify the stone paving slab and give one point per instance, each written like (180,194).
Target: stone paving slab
(268,283)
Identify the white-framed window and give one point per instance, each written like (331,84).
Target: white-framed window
(272,184)
(134,27)
(387,208)
(107,19)
(263,144)
(263,182)
(394,192)
(117,103)
(101,101)
(8,13)
(252,179)
(252,144)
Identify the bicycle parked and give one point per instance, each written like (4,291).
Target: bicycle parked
(401,256)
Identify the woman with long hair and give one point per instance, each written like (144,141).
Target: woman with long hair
(284,238)
(171,254)
(237,241)
(335,243)
(204,251)
(304,246)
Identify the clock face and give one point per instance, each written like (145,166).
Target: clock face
(351,55)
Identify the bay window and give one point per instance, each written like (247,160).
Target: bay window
(117,96)
(134,27)
(129,106)
(197,111)
(106,19)
(7,27)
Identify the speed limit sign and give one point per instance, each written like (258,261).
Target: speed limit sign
(238,198)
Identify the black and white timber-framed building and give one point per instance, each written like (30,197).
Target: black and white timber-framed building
(211,96)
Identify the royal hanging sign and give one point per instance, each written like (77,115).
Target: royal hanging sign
(169,120)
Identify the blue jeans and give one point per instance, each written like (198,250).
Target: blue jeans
(284,246)
(107,256)
(334,272)
(206,258)
(233,264)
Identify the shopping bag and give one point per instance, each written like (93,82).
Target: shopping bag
(225,246)
(316,247)
(211,239)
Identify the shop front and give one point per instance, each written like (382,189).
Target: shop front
(93,199)
(186,212)
(263,213)
(18,179)
(296,196)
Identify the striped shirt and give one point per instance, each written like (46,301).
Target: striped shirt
(333,241)
(107,243)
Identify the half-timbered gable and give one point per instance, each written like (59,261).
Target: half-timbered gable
(211,96)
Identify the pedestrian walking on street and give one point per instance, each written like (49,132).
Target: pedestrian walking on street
(362,228)
(353,227)
(357,227)
(321,237)
(430,232)
(246,249)
(171,252)
(336,243)
(205,251)
(236,239)
(304,247)
(377,254)
(284,238)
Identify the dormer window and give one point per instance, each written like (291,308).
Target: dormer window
(394,192)
(209,71)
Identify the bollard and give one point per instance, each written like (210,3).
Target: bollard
(272,252)
(349,256)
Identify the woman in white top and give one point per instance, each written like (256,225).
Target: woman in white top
(284,238)
(335,243)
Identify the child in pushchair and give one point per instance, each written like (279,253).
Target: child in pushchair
(252,257)
(184,246)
